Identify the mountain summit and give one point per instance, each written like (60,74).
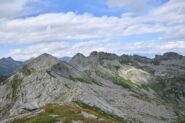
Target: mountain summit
(43,62)
(8,66)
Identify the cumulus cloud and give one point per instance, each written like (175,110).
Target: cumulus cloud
(60,49)
(13,8)
(68,26)
(71,26)
(35,50)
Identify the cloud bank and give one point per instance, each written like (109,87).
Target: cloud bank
(69,33)
(14,8)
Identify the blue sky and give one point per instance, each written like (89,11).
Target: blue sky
(29,28)
(95,7)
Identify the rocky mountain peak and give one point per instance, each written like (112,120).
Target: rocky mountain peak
(142,59)
(172,55)
(45,55)
(78,55)
(9,65)
(168,56)
(78,58)
(7,59)
(103,55)
(10,58)
(93,54)
(43,62)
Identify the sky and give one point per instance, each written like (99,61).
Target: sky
(29,28)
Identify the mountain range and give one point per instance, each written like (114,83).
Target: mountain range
(65,58)
(100,88)
(8,66)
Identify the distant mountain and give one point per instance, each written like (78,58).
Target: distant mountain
(65,58)
(99,88)
(9,65)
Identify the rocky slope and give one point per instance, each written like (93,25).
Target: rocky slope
(125,88)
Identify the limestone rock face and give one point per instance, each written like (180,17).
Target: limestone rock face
(136,75)
(43,62)
(124,89)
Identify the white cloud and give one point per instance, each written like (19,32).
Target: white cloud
(37,49)
(71,26)
(173,45)
(14,8)
(155,47)
(60,49)
(53,32)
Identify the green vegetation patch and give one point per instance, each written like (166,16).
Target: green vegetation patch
(117,67)
(79,79)
(180,120)
(136,88)
(166,91)
(27,70)
(15,83)
(169,91)
(155,117)
(106,115)
(125,60)
(144,86)
(43,118)
(155,62)
(117,79)
(68,113)
(100,112)
(121,81)
(2,78)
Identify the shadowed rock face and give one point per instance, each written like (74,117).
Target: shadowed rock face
(66,70)
(103,55)
(78,58)
(8,66)
(142,59)
(119,85)
(168,56)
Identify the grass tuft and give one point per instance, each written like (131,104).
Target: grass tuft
(15,83)
(2,79)
(68,113)
(43,118)
(117,79)
(27,70)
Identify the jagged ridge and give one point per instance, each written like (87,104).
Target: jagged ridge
(120,85)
